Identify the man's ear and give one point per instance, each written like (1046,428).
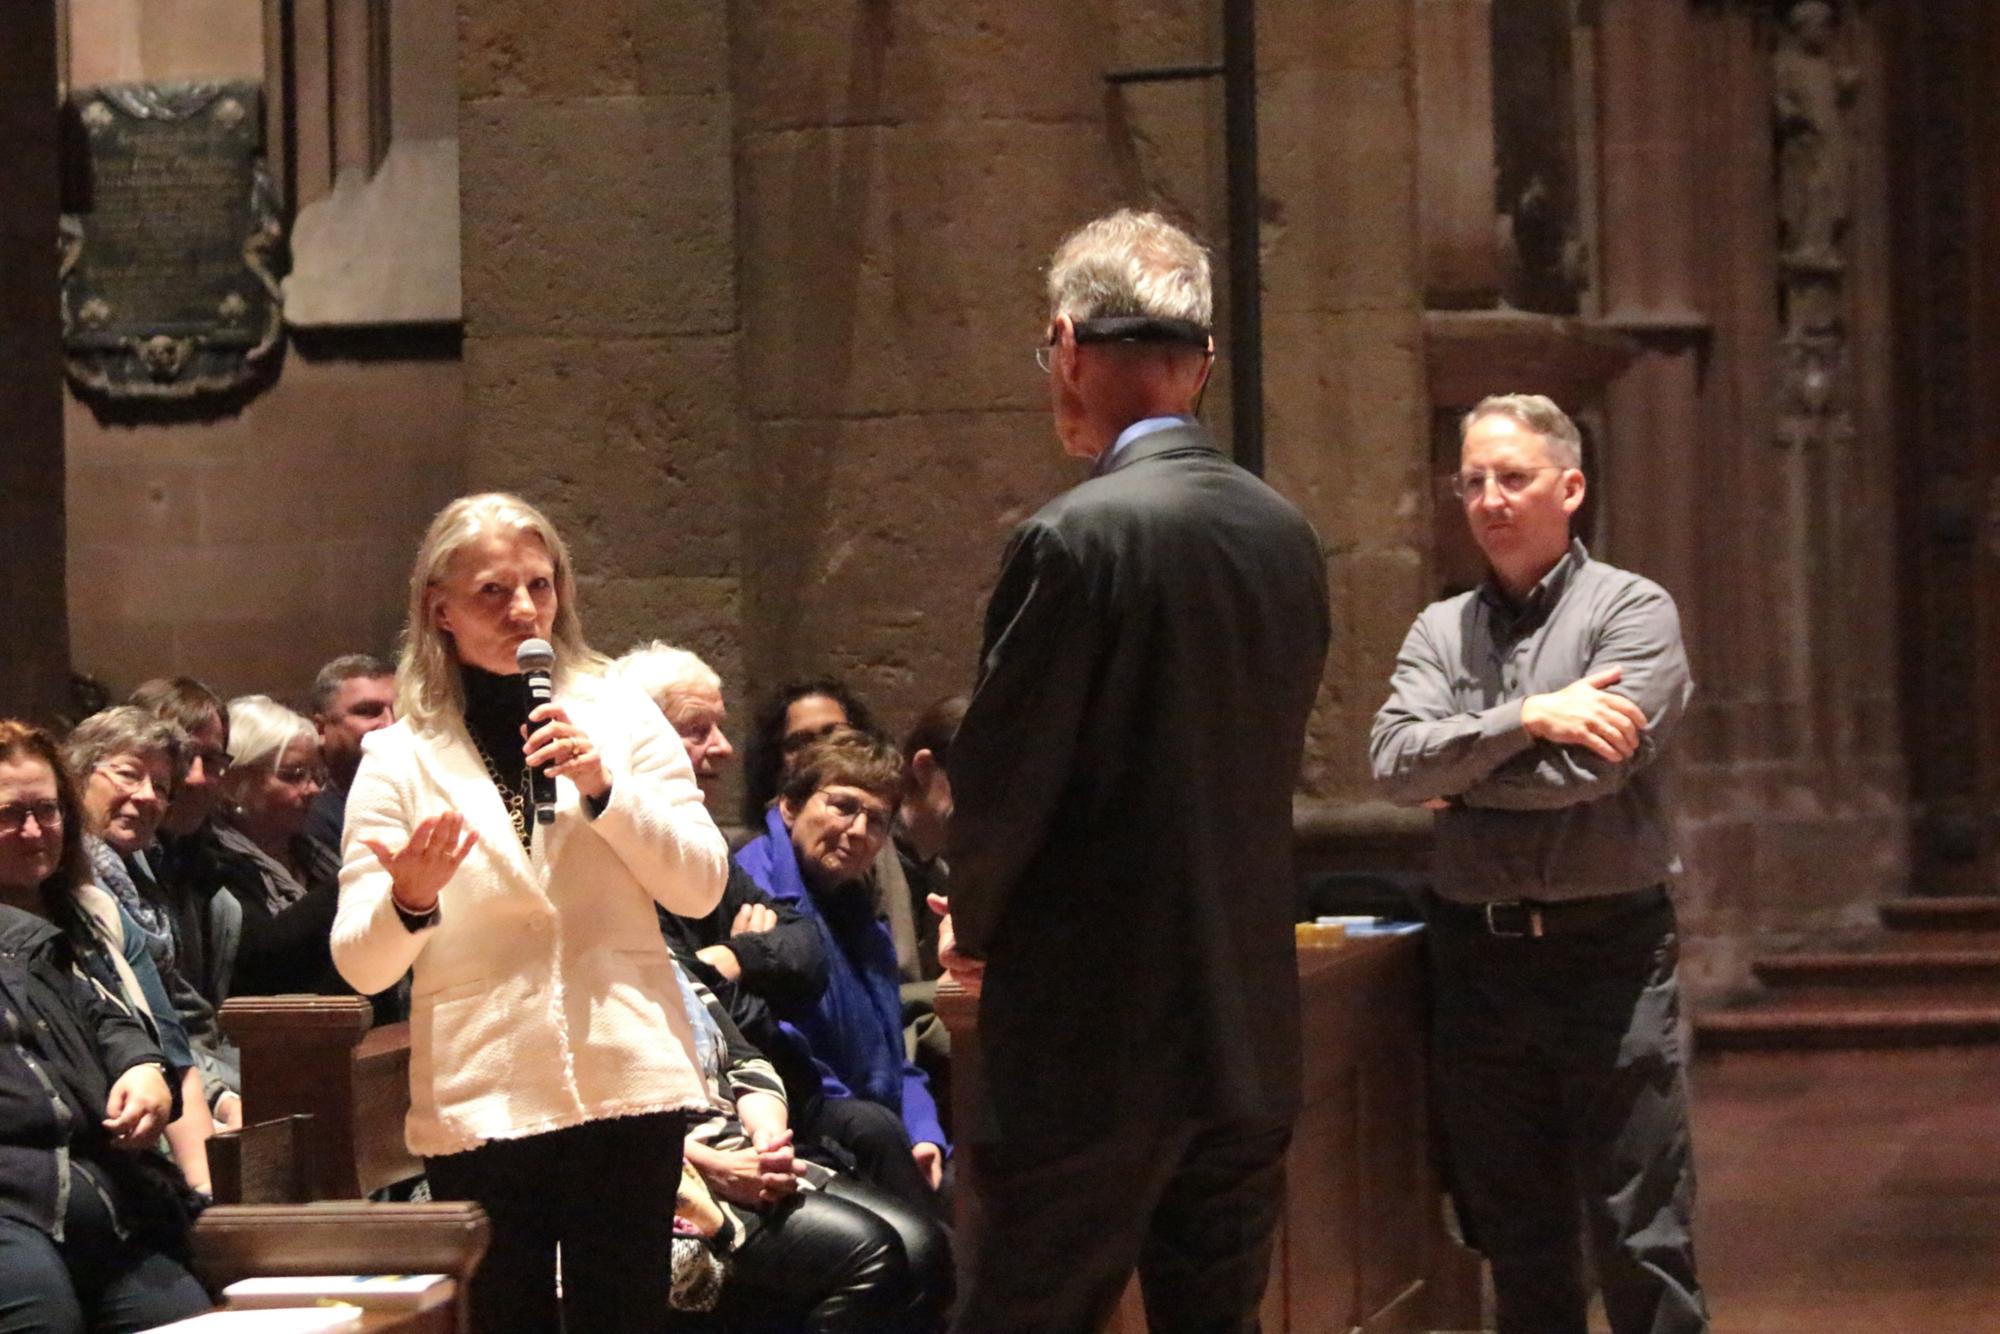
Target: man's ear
(1574,487)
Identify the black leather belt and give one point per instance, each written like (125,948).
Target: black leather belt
(1532,919)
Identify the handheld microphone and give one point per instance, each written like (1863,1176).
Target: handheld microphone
(537,662)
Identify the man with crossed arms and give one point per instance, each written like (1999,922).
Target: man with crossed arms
(1531,714)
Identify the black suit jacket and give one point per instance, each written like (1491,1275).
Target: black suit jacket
(1121,843)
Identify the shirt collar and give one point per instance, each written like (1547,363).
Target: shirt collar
(1137,430)
(1546,592)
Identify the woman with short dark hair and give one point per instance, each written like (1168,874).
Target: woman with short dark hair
(829,824)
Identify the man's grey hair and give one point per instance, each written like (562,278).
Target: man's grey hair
(667,675)
(342,670)
(1131,264)
(1536,413)
(125,729)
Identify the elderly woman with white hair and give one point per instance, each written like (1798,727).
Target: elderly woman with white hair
(288,883)
(551,1073)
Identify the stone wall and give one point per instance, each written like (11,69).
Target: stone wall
(248,544)
(600,286)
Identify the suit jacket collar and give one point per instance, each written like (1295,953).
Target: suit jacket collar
(1157,444)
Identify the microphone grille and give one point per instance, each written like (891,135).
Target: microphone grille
(535,655)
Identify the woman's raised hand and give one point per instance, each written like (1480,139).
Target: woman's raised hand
(423,865)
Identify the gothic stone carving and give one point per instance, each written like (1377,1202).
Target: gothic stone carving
(1813,93)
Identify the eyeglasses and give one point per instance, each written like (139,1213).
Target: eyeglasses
(1045,354)
(292,775)
(129,777)
(47,815)
(215,761)
(1511,481)
(848,809)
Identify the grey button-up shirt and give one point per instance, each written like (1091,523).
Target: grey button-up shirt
(1531,819)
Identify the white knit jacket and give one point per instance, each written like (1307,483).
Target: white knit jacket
(544,997)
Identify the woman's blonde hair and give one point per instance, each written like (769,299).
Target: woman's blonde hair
(429,690)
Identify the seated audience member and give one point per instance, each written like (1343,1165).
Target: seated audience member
(352,696)
(287,883)
(794,716)
(749,938)
(45,870)
(830,823)
(923,820)
(797,712)
(88,1220)
(806,1247)
(776,954)
(187,863)
(126,761)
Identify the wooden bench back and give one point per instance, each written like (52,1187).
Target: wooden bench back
(316,1056)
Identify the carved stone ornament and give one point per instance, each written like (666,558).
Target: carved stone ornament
(1812,97)
(172,246)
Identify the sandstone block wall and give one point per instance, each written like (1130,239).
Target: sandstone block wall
(249,544)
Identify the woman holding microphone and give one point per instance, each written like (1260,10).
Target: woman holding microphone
(549,1046)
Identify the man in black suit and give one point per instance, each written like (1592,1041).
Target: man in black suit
(1121,843)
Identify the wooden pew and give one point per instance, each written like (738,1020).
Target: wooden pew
(1363,1244)
(316,1056)
(232,1242)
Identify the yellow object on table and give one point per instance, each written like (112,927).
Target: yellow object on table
(1320,935)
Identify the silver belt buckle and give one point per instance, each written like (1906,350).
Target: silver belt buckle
(1513,920)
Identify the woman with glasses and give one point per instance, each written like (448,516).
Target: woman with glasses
(512,852)
(87,1217)
(127,762)
(45,870)
(830,822)
(287,883)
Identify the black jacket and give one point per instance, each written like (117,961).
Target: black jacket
(1121,845)
(785,966)
(784,970)
(62,1046)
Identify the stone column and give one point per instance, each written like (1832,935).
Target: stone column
(904,172)
(34,644)
(600,302)
(1348,418)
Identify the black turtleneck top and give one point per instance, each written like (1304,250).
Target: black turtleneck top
(495,709)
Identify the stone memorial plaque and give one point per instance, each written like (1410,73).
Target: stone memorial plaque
(172,245)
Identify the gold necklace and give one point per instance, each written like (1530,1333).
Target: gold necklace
(516,799)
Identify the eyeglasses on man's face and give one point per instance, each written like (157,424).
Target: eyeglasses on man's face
(45,814)
(214,760)
(1471,485)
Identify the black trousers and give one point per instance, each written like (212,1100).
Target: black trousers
(1560,1089)
(846,1259)
(875,1138)
(604,1192)
(1193,1207)
(93,1281)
